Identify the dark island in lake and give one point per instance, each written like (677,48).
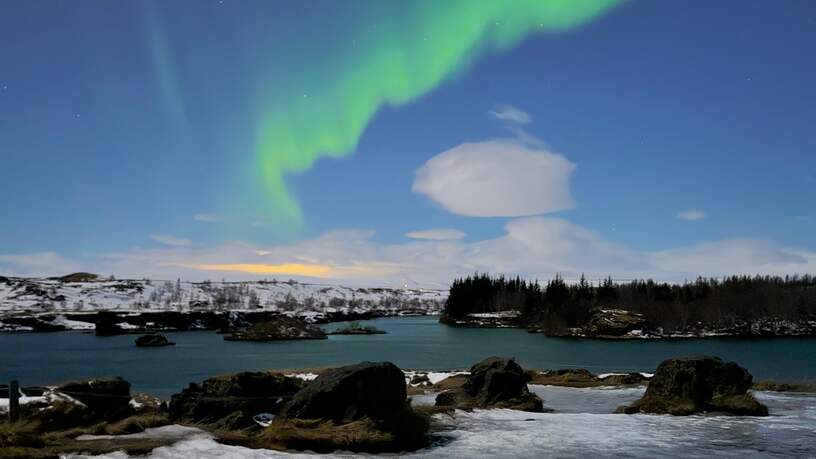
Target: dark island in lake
(355,328)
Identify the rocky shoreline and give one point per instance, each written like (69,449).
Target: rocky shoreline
(364,407)
(620,324)
(109,323)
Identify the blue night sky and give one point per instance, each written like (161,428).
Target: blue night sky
(331,140)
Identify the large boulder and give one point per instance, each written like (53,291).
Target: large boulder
(281,328)
(235,398)
(493,383)
(108,399)
(153,340)
(361,408)
(698,384)
(345,394)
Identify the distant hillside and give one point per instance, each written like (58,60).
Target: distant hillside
(84,292)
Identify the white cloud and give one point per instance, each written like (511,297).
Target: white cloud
(38,264)
(510,113)
(735,256)
(691,215)
(168,239)
(497,178)
(206,217)
(437,234)
(532,247)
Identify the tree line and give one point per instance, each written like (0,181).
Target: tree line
(709,301)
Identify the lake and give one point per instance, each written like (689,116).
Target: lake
(411,343)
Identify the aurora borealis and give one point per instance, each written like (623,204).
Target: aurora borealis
(407,142)
(396,53)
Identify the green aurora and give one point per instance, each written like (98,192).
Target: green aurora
(404,56)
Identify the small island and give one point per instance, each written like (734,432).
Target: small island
(153,340)
(356,328)
(281,328)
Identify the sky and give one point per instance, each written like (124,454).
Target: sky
(407,143)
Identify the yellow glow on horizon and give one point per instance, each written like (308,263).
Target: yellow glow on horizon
(299,269)
(293,269)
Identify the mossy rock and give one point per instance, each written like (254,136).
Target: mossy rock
(698,384)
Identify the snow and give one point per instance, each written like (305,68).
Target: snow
(588,429)
(433,376)
(303,376)
(308,301)
(495,315)
(73,324)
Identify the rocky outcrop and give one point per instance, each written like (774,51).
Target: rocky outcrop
(345,394)
(79,277)
(698,384)
(613,323)
(493,383)
(628,379)
(233,399)
(108,399)
(580,377)
(281,328)
(153,340)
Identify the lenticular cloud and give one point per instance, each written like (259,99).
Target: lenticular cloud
(497,178)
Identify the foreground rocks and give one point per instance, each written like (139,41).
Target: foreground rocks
(153,340)
(49,427)
(107,399)
(698,384)
(493,383)
(231,401)
(281,328)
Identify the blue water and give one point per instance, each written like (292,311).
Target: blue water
(411,342)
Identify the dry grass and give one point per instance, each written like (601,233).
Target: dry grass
(52,432)
(774,386)
(404,432)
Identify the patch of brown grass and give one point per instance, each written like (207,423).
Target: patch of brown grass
(774,386)
(136,423)
(405,432)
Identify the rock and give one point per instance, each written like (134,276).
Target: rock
(109,399)
(613,323)
(238,397)
(567,377)
(493,383)
(698,384)
(280,328)
(79,277)
(345,394)
(153,340)
(629,379)
(420,380)
(360,408)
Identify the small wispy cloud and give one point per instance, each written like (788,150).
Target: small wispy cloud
(170,240)
(437,234)
(206,217)
(691,215)
(511,114)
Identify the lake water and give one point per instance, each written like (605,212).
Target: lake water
(411,343)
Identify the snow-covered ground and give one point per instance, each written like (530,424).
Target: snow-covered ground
(53,295)
(580,426)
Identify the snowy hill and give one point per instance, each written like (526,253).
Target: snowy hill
(78,294)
